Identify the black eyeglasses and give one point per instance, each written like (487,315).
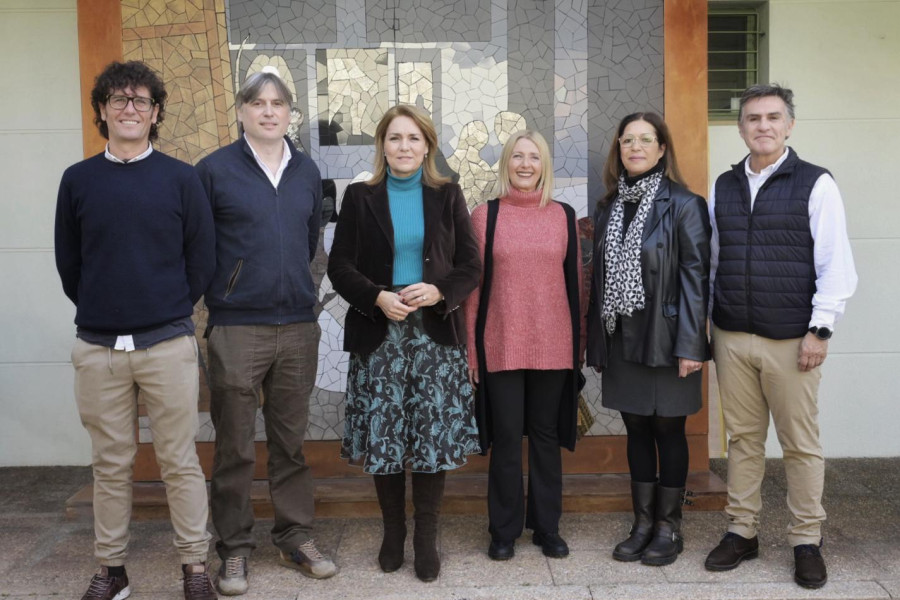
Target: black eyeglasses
(140,103)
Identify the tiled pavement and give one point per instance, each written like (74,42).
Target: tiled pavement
(42,555)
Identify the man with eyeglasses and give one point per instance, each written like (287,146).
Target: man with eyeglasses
(782,272)
(135,250)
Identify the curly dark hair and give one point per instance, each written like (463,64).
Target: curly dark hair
(133,74)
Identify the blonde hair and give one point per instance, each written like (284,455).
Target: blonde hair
(430,174)
(545,183)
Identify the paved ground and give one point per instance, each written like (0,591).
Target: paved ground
(44,556)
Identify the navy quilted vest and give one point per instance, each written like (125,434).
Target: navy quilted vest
(766,275)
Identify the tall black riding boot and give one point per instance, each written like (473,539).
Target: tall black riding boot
(667,542)
(428,492)
(642,501)
(391,490)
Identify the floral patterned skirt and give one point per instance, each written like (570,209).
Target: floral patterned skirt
(409,404)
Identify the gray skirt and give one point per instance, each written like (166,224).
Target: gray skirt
(409,404)
(641,390)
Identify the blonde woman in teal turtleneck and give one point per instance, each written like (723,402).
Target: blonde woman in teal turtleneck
(404,258)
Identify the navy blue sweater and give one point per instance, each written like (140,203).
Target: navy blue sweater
(265,238)
(134,242)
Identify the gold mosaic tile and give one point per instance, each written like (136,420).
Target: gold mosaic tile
(186,42)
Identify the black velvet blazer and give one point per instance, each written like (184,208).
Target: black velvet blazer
(361,262)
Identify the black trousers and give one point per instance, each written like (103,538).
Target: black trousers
(524,401)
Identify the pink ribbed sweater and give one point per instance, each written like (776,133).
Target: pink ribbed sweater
(528,322)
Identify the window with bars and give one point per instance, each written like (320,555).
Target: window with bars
(735,36)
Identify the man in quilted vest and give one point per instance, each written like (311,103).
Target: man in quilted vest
(782,271)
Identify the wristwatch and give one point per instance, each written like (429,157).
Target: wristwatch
(823,333)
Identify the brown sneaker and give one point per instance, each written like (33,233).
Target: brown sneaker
(197,584)
(106,587)
(308,560)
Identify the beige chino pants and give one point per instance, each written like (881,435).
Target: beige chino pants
(106,387)
(757,377)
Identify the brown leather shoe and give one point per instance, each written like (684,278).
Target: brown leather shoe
(108,587)
(809,567)
(731,551)
(197,584)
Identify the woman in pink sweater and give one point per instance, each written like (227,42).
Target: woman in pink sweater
(524,323)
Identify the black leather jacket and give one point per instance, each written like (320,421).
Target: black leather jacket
(675,271)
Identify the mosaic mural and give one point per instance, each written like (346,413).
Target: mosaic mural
(483,69)
(185,41)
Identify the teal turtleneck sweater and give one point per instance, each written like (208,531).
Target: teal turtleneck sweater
(408,218)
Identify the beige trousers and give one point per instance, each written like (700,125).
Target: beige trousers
(759,376)
(107,382)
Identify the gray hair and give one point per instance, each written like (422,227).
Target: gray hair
(761,90)
(253,87)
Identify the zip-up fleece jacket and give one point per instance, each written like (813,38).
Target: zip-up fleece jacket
(265,237)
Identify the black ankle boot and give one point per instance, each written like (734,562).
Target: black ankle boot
(667,542)
(428,492)
(391,491)
(642,501)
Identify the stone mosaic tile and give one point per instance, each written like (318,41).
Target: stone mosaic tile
(415,84)
(531,62)
(352,91)
(625,72)
(570,90)
(280,22)
(476,177)
(147,13)
(420,21)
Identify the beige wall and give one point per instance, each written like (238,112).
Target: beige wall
(40,135)
(841,60)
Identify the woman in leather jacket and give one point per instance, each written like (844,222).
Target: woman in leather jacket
(647,323)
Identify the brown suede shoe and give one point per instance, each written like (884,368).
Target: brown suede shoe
(809,567)
(731,551)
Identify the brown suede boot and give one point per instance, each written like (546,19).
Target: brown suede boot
(391,491)
(428,492)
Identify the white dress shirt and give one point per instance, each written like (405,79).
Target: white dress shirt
(275,177)
(835,272)
(112,157)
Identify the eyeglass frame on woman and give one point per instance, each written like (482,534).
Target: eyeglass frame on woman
(643,140)
(134,102)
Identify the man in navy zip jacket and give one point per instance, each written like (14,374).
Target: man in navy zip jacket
(266,200)
(782,272)
(135,250)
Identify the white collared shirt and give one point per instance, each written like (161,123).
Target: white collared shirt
(110,156)
(836,277)
(275,177)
